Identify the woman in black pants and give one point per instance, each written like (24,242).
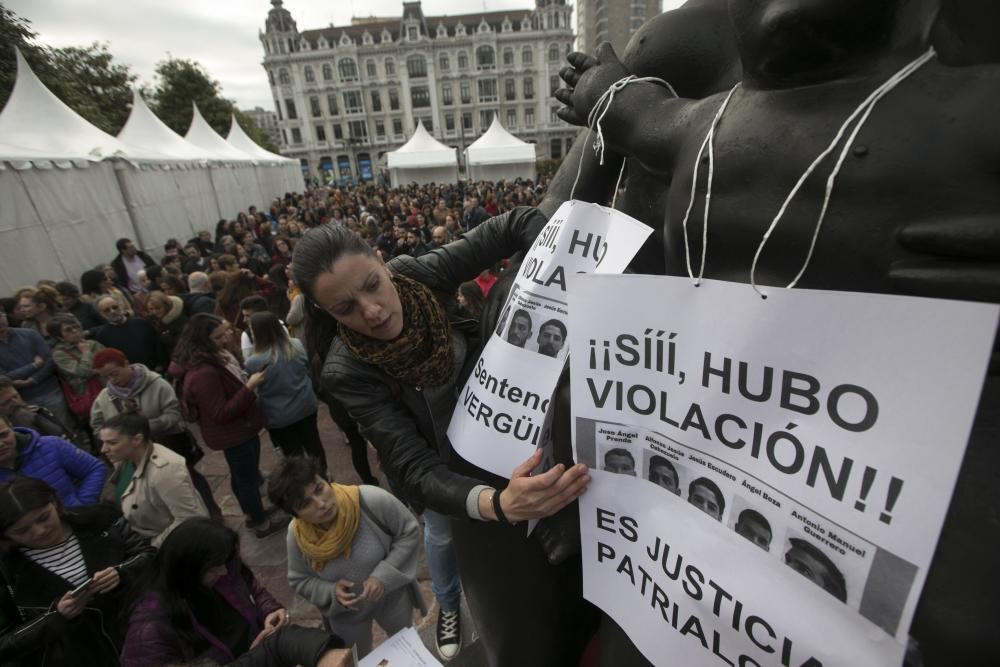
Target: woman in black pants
(286,396)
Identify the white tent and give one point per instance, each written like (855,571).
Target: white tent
(499,155)
(63,207)
(422,159)
(276,174)
(235,182)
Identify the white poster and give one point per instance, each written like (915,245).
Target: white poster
(770,477)
(403,649)
(502,406)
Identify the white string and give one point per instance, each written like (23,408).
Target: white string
(579,164)
(864,110)
(710,143)
(618,183)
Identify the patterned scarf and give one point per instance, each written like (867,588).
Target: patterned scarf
(123,393)
(321,546)
(421,354)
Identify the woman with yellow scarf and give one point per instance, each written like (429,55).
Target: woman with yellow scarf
(352,551)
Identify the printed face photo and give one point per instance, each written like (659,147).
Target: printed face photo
(619,461)
(663,473)
(551,338)
(520,328)
(706,496)
(755,528)
(814,565)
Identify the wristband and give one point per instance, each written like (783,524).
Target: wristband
(495,500)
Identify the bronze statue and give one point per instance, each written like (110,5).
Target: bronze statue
(914,209)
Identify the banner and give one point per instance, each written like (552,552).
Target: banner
(502,406)
(403,649)
(770,477)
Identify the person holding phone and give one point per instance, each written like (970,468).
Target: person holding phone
(65,576)
(352,551)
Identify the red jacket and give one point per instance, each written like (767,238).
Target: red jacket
(224,408)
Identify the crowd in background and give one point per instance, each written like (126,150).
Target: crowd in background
(99,380)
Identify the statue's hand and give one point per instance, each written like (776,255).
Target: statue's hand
(588,78)
(959,259)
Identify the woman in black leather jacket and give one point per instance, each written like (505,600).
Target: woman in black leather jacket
(48,552)
(400,351)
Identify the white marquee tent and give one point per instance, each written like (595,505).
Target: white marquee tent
(70,189)
(499,155)
(422,159)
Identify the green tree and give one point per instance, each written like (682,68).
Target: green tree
(179,83)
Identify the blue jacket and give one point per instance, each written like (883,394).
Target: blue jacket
(76,476)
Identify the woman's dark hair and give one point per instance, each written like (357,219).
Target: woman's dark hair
(286,487)
(20,495)
(473,296)
(191,549)
(54,326)
(195,345)
(92,282)
(270,336)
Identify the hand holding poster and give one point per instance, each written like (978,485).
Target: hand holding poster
(502,406)
(769,477)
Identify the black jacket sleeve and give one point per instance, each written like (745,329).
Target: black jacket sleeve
(290,645)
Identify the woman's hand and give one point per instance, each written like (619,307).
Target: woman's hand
(256,379)
(276,619)
(71,606)
(104,581)
(539,496)
(342,591)
(372,590)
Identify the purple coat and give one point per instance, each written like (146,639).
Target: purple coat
(151,642)
(77,477)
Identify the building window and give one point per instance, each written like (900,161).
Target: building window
(467,120)
(327,72)
(411,33)
(390,67)
(376,101)
(338,132)
(465,90)
(529,88)
(444,63)
(446,96)
(370,69)
(278,109)
(555,149)
(508,57)
(379,129)
(284,137)
(320,133)
(270,77)
(296,135)
(485,119)
(359,130)
(463,60)
(485,58)
(487,90)
(529,118)
(314,107)
(554,115)
(353,102)
(331,104)
(509,90)
(527,57)
(511,118)
(449,122)
(426,120)
(397,126)
(417,67)
(290,109)
(308,72)
(553,84)
(348,70)
(420,97)
(394,100)
(283,77)
(554,54)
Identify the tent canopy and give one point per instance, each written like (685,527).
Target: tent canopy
(498,146)
(239,140)
(145,130)
(422,150)
(202,135)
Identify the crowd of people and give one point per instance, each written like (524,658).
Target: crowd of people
(103,512)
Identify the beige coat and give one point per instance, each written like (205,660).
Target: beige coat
(160,495)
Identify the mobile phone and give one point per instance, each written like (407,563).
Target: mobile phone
(81,588)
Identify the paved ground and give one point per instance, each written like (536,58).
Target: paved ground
(267,557)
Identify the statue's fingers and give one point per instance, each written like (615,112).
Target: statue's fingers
(570,76)
(570,116)
(564,95)
(581,61)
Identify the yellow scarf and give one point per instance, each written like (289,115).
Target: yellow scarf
(321,545)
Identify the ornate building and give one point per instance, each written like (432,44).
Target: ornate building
(612,21)
(346,95)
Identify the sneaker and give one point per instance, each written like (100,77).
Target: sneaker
(268,512)
(274,525)
(449,634)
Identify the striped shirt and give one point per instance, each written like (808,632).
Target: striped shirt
(64,560)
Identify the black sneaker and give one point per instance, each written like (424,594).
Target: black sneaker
(270,527)
(449,634)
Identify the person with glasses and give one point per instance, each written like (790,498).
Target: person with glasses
(134,336)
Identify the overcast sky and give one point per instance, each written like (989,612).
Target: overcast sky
(220,34)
